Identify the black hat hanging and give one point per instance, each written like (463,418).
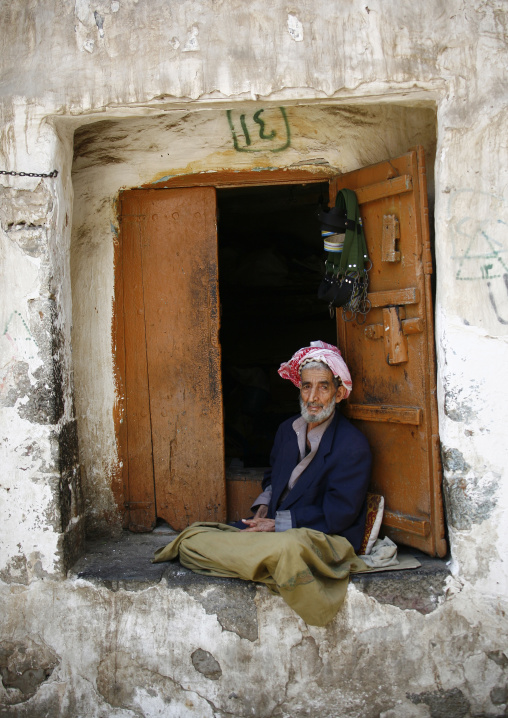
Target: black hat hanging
(346,281)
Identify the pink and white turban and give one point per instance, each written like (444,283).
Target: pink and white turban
(318,351)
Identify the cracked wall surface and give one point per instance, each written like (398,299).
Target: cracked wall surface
(159,651)
(118,93)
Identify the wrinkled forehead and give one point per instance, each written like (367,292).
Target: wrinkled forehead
(316,373)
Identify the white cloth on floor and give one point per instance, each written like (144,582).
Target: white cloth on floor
(384,553)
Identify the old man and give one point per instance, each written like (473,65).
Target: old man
(317,485)
(320,463)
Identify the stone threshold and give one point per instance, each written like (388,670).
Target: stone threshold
(124,562)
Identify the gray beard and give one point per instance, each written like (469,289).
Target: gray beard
(324,414)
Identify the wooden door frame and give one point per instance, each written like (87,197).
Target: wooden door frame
(220,180)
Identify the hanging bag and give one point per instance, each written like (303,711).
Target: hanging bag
(345,283)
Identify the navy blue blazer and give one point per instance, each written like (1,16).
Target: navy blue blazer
(330,495)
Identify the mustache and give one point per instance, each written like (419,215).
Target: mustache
(324,410)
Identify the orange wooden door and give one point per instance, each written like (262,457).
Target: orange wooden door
(173,439)
(391,356)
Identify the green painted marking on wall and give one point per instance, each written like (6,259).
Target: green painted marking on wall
(482,247)
(261,124)
(14,317)
(15,314)
(245,130)
(479,237)
(250,133)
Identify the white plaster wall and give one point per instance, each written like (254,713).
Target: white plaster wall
(129,653)
(139,58)
(193,50)
(34,251)
(471,329)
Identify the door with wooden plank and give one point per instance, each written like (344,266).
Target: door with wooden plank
(391,356)
(172,438)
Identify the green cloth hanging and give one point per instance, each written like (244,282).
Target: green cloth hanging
(346,280)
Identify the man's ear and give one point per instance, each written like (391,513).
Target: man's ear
(341,393)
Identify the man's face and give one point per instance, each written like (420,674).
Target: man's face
(318,395)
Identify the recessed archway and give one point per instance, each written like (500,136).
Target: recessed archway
(115,154)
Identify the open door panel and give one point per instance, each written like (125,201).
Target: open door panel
(391,356)
(173,439)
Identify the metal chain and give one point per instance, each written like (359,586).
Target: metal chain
(359,305)
(29,174)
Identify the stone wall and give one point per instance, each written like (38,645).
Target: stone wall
(120,83)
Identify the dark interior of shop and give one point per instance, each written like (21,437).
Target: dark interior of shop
(271,262)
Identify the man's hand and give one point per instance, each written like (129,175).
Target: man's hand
(260,524)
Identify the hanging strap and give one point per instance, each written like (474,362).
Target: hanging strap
(354,254)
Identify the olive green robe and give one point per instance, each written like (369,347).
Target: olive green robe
(308,568)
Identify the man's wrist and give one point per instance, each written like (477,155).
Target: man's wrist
(283,521)
(261,511)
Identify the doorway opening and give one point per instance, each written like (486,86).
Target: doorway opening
(262,242)
(270,264)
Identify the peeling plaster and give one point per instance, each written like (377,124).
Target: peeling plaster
(122,688)
(205,663)
(23,668)
(192,43)
(443,704)
(122,653)
(469,498)
(235,609)
(473,440)
(295,28)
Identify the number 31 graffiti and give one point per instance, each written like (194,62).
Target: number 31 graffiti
(260,132)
